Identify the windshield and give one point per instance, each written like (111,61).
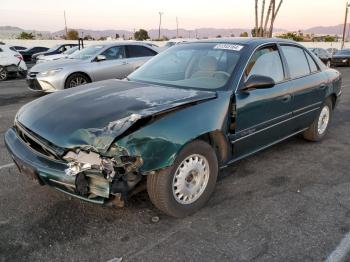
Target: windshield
(70,50)
(343,52)
(169,44)
(201,65)
(87,52)
(53,48)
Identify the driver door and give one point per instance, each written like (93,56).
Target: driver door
(114,66)
(263,114)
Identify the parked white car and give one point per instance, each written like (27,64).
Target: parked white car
(177,41)
(11,62)
(43,59)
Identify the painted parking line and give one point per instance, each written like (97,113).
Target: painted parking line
(342,250)
(7,166)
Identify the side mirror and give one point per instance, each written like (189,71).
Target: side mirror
(100,58)
(258,82)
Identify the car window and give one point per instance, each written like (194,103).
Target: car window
(139,51)
(313,66)
(115,52)
(296,60)
(266,62)
(87,52)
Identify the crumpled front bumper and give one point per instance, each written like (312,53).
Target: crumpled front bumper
(52,172)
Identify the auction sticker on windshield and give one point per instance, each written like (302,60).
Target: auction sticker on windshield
(229,47)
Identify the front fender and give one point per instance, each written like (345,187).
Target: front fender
(159,143)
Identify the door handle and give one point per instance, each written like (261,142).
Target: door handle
(286,98)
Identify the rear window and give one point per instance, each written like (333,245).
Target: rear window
(296,60)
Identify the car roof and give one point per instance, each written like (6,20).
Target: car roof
(252,41)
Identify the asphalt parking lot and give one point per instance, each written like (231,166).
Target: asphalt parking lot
(288,203)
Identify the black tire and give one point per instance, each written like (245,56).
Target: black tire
(312,133)
(3,73)
(79,78)
(160,185)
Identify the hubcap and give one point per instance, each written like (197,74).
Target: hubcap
(3,73)
(323,120)
(77,81)
(190,179)
(328,63)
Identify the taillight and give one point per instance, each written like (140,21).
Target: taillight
(19,56)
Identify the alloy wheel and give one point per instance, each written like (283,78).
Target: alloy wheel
(3,74)
(77,81)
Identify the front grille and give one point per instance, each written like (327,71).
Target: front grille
(38,144)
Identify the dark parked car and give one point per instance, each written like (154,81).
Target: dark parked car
(19,48)
(323,55)
(183,116)
(341,58)
(332,50)
(57,49)
(27,54)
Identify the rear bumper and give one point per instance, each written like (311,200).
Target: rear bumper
(52,172)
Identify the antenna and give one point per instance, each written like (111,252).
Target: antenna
(65,23)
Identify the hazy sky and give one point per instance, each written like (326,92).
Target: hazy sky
(130,14)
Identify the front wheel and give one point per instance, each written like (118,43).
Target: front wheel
(319,127)
(3,73)
(189,184)
(76,79)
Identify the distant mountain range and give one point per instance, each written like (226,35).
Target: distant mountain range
(12,32)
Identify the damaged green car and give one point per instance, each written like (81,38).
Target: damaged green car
(174,122)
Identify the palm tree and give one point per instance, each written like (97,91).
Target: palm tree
(274,15)
(256,17)
(261,32)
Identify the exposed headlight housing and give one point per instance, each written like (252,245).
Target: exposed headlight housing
(51,72)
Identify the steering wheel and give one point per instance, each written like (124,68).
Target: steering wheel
(222,73)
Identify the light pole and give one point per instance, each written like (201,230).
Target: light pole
(160,23)
(177,27)
(345,24)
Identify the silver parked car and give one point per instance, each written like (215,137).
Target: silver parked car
(93,63)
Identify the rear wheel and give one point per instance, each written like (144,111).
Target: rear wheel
(319,127)
(76,79)
(3,73)
(190,182)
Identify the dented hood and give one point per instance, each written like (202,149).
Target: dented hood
(94,115)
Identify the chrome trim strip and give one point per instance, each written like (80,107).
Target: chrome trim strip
(265,122)
(266,128)
(305,107)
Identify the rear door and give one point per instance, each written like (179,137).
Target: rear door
(307,83)
(137,55)
(262,115)
(115,65)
